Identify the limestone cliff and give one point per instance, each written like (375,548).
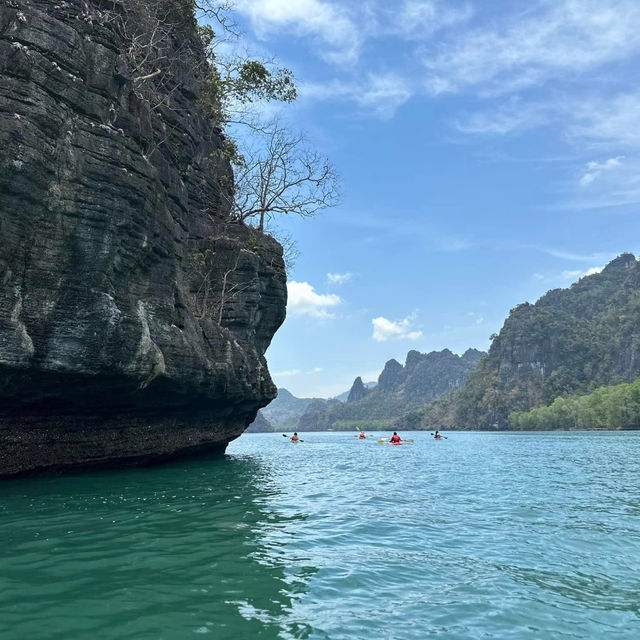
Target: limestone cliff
(570,341)
(358,391)
(112,221)
(423,378)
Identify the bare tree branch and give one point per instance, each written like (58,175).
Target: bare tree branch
(282,176)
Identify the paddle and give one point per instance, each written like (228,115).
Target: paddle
(434,435)
(359,434)
(284,435)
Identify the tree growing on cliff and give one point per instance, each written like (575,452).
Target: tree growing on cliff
(160,42)
(282,176)
(219,284)
(275,171)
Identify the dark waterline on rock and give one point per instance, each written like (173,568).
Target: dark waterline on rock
(108,353)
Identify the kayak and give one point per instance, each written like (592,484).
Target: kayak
(395,444)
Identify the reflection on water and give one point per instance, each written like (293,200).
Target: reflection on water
(149,553)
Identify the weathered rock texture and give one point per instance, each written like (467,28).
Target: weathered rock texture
(570,341)
(110,352)
(357,391)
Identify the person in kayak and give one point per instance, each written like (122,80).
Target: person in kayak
(363,435)
(294,437)
(437,435)
(395,438)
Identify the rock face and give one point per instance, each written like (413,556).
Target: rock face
(358,390)
(111,221)
(318,415)
(286,409)
(392,376)
(260,425)
(570,341)
(400,389)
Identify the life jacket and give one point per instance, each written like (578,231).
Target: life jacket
(395,438)
(362,436)
(294,438)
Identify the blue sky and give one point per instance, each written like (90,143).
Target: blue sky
(488,150)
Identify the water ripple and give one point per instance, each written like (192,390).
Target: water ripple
(524,536)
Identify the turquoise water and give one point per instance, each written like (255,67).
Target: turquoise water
(479,536)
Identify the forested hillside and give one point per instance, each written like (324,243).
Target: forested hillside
(615,407)
(423,378)
(571,341)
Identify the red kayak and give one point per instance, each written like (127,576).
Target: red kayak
(395,444)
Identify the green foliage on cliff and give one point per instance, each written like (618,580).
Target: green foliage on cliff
(262,169)
(570,341)
(614,407)
(233,84)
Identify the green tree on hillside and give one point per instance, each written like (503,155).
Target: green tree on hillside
(612,407)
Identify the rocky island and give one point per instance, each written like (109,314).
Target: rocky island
(112,220)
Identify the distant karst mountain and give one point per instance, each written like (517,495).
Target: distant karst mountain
(260,425)
(570,341)
(285,410)
(344,396)
(423,378)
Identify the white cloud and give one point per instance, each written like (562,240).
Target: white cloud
(515,115)
(569,255)
(551,40)
(304,301)
(609,125)
(329,23)
(380,95)
(577,274)
(614,119)
(595,169)
(339,29)
(610,183)
(419,19)
(566,275)
(384,94)
(384,329)
(290,373)
(339,278)
(608,121)
(476,317)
